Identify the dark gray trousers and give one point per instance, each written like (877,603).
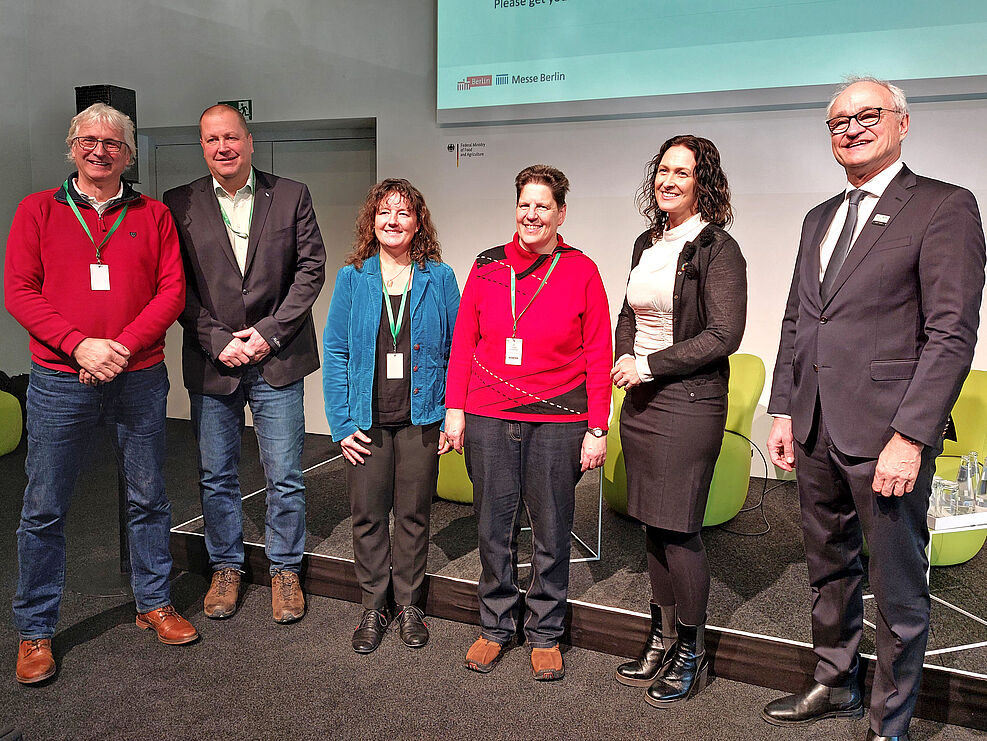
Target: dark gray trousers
(400,474)
(838,506)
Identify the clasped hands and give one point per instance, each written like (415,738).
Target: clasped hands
(100,360)
(246,348)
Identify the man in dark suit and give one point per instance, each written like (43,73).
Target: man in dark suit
(878,336)
(254,262)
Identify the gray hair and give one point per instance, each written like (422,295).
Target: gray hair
(100,113)
(897,94)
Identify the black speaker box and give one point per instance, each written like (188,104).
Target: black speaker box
(121,98)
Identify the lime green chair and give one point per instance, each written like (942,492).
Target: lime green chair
(731,477)
(11,422)
(970,418)
(454,483)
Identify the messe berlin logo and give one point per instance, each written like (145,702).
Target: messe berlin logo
(473,81)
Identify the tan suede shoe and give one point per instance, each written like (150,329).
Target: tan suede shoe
(484,654)
(546,664)
(287,599)
(221,599)
(171,627)
(35,662)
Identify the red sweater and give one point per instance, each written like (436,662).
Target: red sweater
(47,279)
(564,375)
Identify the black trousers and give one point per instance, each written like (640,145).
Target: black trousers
(838,506)
(400,474)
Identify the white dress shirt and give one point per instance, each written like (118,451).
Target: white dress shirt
(874,188)
(238,209)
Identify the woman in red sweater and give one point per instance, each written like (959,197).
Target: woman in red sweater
(528,399)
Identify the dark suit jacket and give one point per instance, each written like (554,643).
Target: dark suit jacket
(891,347)
(284,272)
(709,313)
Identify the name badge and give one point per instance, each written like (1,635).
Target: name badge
(881,220)
(513,354)
(99,277)
(395,365)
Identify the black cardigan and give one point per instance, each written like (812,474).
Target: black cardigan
(709,313)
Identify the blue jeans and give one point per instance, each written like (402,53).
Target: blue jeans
(61,417)
(534,464)
(279,422)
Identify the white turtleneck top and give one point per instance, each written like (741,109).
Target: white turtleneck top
(650,288)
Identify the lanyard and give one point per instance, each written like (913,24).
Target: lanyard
(395,325)
(544,280)
(226,220)
(75,210)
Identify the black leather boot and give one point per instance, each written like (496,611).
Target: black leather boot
(684,675)
(642,673)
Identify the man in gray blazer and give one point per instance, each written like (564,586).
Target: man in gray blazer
(878,337)
(254,262)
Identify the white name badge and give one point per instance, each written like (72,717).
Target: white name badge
(99,277)
(395,365)
(513,354)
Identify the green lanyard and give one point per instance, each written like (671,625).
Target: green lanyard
(75,210)
(544,280)
(226,219)
(395,325)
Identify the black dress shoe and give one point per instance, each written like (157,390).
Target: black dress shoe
(818,702)
(871,736)
(368,636)
(414,631)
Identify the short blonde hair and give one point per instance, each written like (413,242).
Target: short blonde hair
(100,113)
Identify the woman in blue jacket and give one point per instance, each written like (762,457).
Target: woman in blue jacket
(386,346)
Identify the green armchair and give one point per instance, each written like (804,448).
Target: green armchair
(970,418)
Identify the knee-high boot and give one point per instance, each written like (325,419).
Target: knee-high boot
(642,673)
(684,675)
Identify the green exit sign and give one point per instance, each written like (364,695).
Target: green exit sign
(246,107)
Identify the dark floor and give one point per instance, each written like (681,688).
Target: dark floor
(251,679)
(759,583)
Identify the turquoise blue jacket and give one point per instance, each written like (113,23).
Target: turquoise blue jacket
(349,344)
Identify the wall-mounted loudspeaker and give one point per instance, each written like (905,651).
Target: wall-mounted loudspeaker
(121,98)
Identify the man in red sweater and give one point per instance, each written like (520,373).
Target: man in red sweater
(93,273)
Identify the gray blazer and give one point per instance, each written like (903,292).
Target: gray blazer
(891,347)
(283,275)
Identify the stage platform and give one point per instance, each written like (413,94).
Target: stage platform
(759,629)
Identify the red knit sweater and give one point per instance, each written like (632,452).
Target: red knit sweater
(47,279)
(565,371)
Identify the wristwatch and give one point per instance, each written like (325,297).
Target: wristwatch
(597,432)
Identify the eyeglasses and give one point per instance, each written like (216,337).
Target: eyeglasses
(866,118)
(89,143)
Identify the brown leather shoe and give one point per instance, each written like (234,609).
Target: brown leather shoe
(34,661)
(220,601)
(287,599)
(483,655)
(546,664)
(171,627)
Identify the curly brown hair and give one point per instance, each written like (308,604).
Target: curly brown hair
(425,243)
(712,190)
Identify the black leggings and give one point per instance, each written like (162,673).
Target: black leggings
(679,573)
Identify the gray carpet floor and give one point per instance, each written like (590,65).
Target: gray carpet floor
(249,678)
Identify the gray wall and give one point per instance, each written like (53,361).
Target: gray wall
(331,59)
(15,155)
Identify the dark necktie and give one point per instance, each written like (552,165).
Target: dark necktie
(842,248)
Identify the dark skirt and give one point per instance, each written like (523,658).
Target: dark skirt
(670,444)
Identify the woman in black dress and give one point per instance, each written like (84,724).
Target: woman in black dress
(683,315)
